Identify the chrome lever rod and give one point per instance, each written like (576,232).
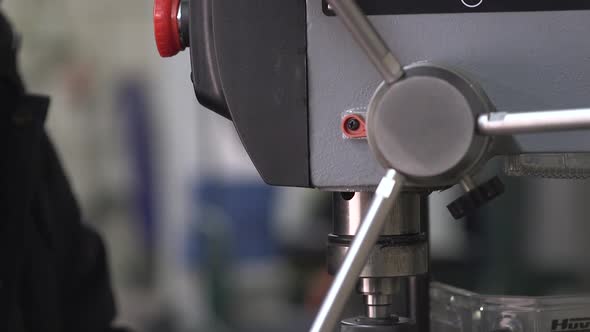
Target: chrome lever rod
(495,124)
(367,235)
(368,38)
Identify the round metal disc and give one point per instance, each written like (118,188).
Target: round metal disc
(424,125)
(360,324)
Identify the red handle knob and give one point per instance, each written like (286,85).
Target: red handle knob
(166,27)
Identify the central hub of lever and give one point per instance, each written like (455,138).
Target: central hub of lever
(424,125)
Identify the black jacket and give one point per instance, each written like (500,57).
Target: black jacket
(53,271)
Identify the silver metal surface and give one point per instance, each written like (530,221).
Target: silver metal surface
(349,213)
(344,283)
(378,295)
(360,324)
(385,261)
(179,17)
(467,183)
(379,283)
(377,299)
(182,19)
(379,311)
(378,306)
(368,38)
(533,122)
(387,286)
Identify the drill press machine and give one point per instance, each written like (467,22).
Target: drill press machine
(320,101)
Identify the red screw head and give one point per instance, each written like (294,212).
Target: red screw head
(353,126)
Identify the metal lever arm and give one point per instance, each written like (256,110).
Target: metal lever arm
(368,233)
(533,122)
(368,38)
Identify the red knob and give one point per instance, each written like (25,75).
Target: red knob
(166,27)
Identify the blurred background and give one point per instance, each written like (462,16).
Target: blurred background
(196,241)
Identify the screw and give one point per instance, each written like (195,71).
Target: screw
(353,124)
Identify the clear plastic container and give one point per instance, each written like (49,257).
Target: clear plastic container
(549,165)
(454,310)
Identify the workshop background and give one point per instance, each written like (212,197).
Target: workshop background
(196,241)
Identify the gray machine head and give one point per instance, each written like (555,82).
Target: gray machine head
(286,72)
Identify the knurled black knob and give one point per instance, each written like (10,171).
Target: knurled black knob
(467,204)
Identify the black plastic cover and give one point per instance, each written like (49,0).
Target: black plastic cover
(254,54)
(205,70)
